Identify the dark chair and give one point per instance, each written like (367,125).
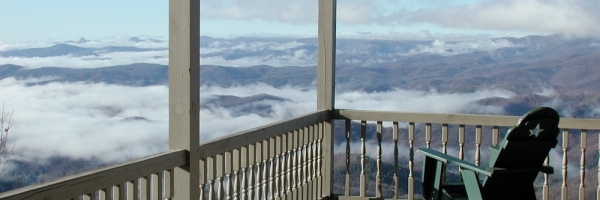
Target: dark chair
(514,163)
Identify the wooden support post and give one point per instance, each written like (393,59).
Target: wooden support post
(325,84)
(184,93)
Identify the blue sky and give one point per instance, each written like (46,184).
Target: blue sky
(38,20)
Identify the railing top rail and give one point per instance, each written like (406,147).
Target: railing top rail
(91,181)
(445,118)
(251,136)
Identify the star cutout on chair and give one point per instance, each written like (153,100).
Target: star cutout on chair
(536,131)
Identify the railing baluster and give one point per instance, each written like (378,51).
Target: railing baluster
(220,176)
(283,165)
(278,150)
(320,135)
(251,171)
(309,170)
(444,138)
(378,175)
(461,145)
(202,180)
(296,162)
(565,147)
(228,165)
(305,163)
(582,165)
(237,168)
(411,164)
(130,192)
(265,159)
(143,185)
(259,170)
(271,155)
(545,192)
(211,167)
(147,190)
(495,136)
(461,141)
(477,145)
(395,136)
(299,177)
(153,187)
(244,163)
(363,152)
(315,154)
(347,184)
(428,135)
(100,194)
(290,162)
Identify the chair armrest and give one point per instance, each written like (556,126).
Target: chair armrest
(454,161)
(543,169)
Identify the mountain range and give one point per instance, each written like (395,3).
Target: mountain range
(526,66)
(539,70)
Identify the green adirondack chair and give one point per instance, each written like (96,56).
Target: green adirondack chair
(514,163)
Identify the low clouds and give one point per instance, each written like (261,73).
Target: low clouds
(103,60)
(288,58)
(87,121)
(419,101)
(454,48)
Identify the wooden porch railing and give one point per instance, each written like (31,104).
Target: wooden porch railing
(284,160)
(277,161)
(485,126)
(145,178)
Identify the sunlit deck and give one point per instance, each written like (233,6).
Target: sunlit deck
(295,158)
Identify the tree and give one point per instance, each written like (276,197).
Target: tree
(5,124)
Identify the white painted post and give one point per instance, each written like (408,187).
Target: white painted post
(325,84)
(184,93)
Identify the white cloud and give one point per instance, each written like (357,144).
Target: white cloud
(86,120)
(414,101)
(282,11)
(577,18)
(455,48)
(218,122)
(103,60)
(289,58)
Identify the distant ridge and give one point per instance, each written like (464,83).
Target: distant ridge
(55,50)
(530,65)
